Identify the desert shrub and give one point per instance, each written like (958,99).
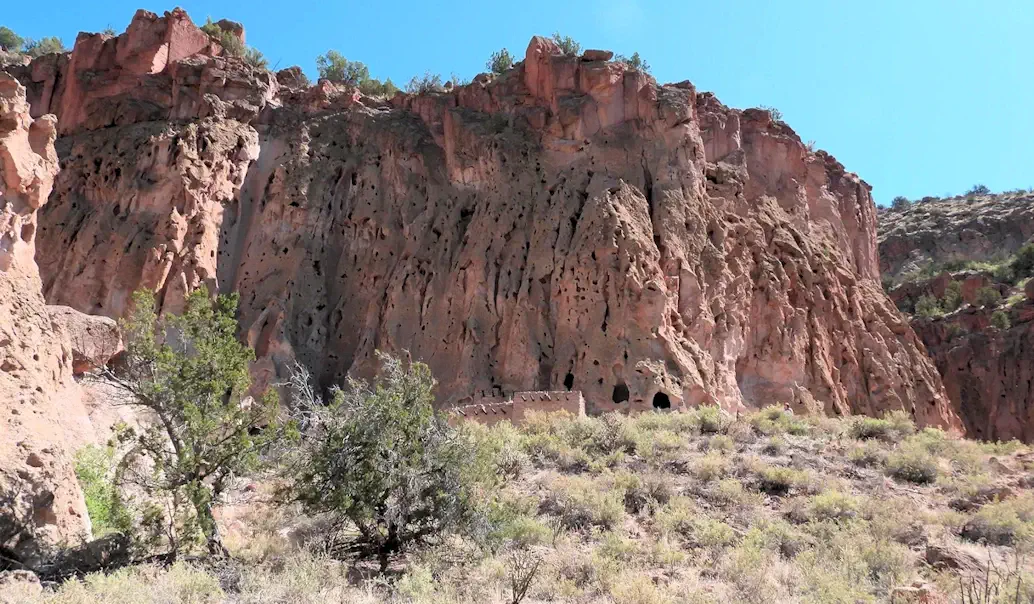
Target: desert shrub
(832,505)
(643,491)
(776,445)
(773,419)
(191,373)
(333,66)
(1008,522)
(680,517)
(379,457)
(867,454)
(500,62)
(892,427)
(583,502)
(1022,263)
(179,582)
(721,442)
(10,41)
(987,296)
(928,306)
(730,492)
(777,536)
(777,115)
(1000,319)
(512,522)
(429,82)
(95,470)
(978,190)
(900,202)
(225,38)
(952,297)
(912,464)
(709,419)
(567,44)
(255,58)
(777,480)
(634,62)
(710,467)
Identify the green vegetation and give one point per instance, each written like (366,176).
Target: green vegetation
(43,46)
(777,115)
(333,66)
(1000,319)
(952,297)
(233,46)
(567,44)
(978,190)
(429,82)
(900,203)
(192,374)
(380,458)
(987,296)
(928,306)
(95,471)
(634,62)
(500,62)
(10,41)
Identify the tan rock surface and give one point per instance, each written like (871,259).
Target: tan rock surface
(567,224)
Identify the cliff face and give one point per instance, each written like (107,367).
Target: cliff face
(987,368)
(41,415)
(569,224)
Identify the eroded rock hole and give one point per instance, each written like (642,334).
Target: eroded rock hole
(620,394)
(661,401)
(568,381)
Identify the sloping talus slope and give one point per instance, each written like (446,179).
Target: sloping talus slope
(568,224)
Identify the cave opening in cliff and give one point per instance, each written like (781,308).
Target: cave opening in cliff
(661,401)
(569,381)
(620,394)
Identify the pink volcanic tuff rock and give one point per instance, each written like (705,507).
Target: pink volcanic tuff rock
(570,218)
(94,339)
(42,420)
(597,55)
(1028,289)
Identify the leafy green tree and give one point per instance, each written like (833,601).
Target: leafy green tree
(567,44)
(900,203)
(1000,319)
(335,67)
(10,41)
(500,62)
(634,62)
(379,458)
(1022,263)
(192,374)
(43,46)
(374,87)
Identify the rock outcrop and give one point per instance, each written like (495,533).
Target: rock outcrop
(41,416)
(943,231)
(567,225)
(987,369)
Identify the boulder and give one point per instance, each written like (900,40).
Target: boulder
(94,339)
(597,55)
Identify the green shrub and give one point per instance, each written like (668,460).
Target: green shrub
(429,82)
(978,190)
(775,446)
(567,44)
(582,503)
(776,480)
(643,492)
(867,454)
(900,203)
(721,442)
(334,67)
(952,297)
(254,57)
(95,471)
(928,306)
(1022,263)
(777,115)
(634,62)
(500,62)
(1000,319)
(710,467)
(10,41)
(43,46)
(912,464)
(773,419)
(380,458)
(832,505)
(709,419)
(987,296)
(1008,522)
(893,427)
(513,523)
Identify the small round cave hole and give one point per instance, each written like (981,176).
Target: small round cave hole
(661,401)
(620,394)
(569,381)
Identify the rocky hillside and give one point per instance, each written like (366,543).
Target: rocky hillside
(931,234)
(958,266)
(568,224)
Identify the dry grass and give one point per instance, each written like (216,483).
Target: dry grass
(682,507)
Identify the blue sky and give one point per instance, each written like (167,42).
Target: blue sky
(919,97)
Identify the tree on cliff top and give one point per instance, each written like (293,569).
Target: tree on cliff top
(10,41)
(500,62)
(634,62)
(192,374)
(333,66)
(566,44)
(43,46)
